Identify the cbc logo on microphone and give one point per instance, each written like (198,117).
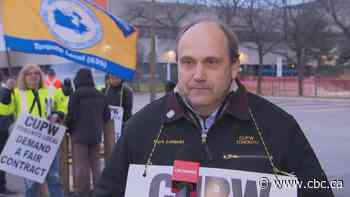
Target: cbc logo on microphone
(185,171)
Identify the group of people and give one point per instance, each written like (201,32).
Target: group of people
(208,110)
(80,106)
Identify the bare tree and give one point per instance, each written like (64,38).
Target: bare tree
(307,33)
(339,12)
(135,12)
(173,14)
(168,16)
(227,10)
(263,25)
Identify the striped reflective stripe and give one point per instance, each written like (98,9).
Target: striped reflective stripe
(49,105)
(23,100)
(49,102)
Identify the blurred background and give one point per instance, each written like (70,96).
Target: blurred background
(288,47)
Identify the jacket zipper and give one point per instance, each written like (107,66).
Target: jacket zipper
(203,135)
(235,156)
(204,139)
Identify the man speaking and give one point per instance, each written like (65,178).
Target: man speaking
(211,108)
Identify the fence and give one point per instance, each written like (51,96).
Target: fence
(288,86)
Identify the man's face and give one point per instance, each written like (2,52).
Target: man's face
(114,81)
(205,71)
(32,78)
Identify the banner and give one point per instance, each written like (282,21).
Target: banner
(31,147)
(212,183)
(102,3)
(73,29)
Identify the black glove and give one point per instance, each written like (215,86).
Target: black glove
(67,87)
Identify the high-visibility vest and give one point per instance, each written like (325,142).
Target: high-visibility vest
(61,100)
(23,100)
(6,110)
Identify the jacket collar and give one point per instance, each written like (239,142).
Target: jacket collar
(119,86)
(235,104)
(174,107)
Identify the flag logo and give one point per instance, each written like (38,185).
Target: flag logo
(72,23)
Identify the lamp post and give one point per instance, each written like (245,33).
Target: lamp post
(170,58)
(152,56)
(243,58)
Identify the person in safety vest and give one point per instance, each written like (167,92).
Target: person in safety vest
(31,96)
(6,119)
(51,80)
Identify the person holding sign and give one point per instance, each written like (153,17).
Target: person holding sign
(119,94)
(210,109)
(120,100)
(87,116)
(34,98)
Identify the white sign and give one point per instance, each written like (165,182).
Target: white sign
(117,117)
(279,67)
(213,182)
(31,147)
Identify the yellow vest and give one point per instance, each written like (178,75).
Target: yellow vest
(61,100)
(6,110)
(23,100)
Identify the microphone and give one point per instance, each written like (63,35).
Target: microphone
(186,171)
(185,178)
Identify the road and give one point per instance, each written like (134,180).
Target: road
(325,123)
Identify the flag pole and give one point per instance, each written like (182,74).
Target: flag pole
(152,55)
(8,58)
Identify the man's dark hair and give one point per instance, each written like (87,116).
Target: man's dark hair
(84,78)
(232,40)
(50,71)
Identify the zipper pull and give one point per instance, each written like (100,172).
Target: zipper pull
(230,156)
(204,138)
(233,156)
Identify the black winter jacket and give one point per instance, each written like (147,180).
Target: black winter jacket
(87,111)
(120,96)
(232,142)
